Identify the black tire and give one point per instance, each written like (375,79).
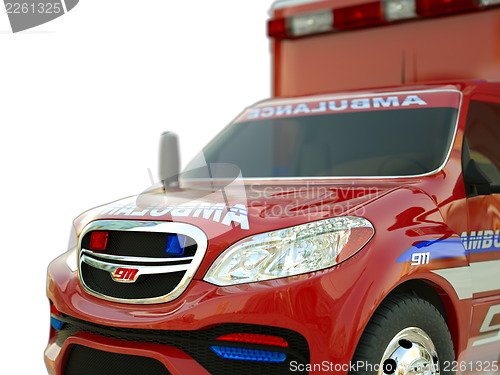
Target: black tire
(408,318)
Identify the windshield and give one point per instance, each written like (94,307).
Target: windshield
(352,137)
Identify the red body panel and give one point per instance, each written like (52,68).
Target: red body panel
(329,308)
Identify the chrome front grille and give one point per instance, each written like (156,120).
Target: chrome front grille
(136,266)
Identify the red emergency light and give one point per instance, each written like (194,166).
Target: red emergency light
(370,14)
(98,240)
(252,338)
(428,8)
(277,28)
(54,311)
(359,16)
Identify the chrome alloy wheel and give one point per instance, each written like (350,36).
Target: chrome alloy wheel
(410,352)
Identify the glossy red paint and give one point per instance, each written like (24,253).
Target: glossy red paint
(329,308)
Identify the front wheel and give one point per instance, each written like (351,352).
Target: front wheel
(405,336)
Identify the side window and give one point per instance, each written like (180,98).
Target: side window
(482,141)
(487,166)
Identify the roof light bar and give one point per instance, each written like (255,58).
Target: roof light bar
(369,14)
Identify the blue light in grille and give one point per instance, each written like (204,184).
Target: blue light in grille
(175,244)
(248,354)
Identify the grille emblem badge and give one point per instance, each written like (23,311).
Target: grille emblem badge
(125,275)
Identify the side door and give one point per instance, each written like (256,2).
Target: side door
(481,170)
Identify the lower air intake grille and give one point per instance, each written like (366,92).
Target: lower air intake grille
(197,344)
(82,360)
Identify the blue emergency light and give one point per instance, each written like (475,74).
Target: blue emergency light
(249,354)
(175,245)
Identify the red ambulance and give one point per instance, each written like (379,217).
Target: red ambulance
(348,225)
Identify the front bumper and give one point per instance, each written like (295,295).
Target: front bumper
(77,341)
(317,314)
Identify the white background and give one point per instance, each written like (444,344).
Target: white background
(83,100)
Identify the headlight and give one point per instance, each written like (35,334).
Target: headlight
(290,251)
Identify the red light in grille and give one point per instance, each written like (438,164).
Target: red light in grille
(98,240)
